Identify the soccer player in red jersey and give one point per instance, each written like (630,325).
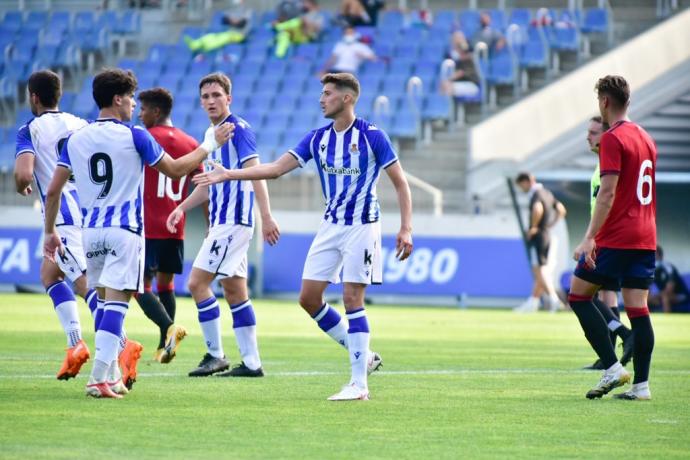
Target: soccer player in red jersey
(164,250)
(620,242)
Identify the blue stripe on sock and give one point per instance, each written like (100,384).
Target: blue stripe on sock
(59,292)
(98,317)
(329,320)
(206,303)
(358,325)
(323,307)
(210,314)
(244,317)
(112,322)
(92,300)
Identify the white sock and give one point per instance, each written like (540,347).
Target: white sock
(613,325)
(99,372)
(209,320)
(614,368)
(66,308)
(330,321)
(122,342)
(106,347)
(114,373)
(244,325)
(358,340)
(642,387)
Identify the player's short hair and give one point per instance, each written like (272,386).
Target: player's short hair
(342,81)
(159,98)
(523,177)
(596,119)
(217,77)
(615,87)
(47,86)
(109,83)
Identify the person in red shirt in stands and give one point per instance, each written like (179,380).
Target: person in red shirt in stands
(164,250)
(620,242)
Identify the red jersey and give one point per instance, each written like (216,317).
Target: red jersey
(628,151)
(162,194)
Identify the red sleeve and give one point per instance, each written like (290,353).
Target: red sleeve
(610,154)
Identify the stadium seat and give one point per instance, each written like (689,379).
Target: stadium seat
(498,19)
(501,69)
(158,52)
(564,39)
(254,117)
(169,81)
(534,55)
(35,21)
(370,83)
(129,23)
(596,20)
(469,22)
(13,21)
(84,21)
(390,22)
(437,107)
(60,20)
(261,102)
(444,21)
(47,54)
(520,16)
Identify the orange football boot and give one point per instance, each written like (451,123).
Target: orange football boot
(128,360)
(74,360)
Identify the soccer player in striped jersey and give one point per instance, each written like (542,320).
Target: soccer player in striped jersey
(223,253)
(349,155)
(38,148)
(107,159)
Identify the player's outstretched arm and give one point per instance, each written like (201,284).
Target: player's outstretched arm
(51,239)
(273,170)
(198,196)
(180,167)
(23,173)
(403,241)
(605,197)
(269,227)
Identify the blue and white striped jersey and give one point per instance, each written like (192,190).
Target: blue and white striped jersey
(107,158)
(232,202)
(348,164)
(43,137)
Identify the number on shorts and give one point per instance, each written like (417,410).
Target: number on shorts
(642,180)
(101,172)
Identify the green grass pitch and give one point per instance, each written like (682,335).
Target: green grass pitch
(455,384)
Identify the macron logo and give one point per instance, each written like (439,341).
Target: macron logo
(358,354)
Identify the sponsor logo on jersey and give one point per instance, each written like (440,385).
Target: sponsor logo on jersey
(340,171)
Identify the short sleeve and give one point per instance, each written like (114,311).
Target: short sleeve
(244,141)
(303,151)
(381,146)
(147,147)
(64,160)
(610,154)
(24,142)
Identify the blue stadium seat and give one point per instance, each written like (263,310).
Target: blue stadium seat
(405,124)
(169,81)
(107,20)
(498,19)
(255,118)
(67,101)
(596,20)
(469,22)
(390,21)
(400,67)
(520,16)
(12,21)
(233,52)
(437,107)
(408,51)
(197,124)
(51,36)
(308,51)
(159,52)
(444,21)
(47,54)
(177,63)
(129,23)
(433,50)
(84,21)
(273,66)
(373,67)
(384,49)
(370,83)
(501,70)
(394,84)
(243,83)
(261,102)
(190,31)
(198,69)
(564,38)
(302,121)
(35,21)
(130,64)
(60,20)
(23,52)
(534,55)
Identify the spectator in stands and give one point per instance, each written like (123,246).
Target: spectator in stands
(302,29)
(288,9)
(673,295)
(238,19)
(464,81)
(360,12)
(493,38)
(348,54)
(544,211)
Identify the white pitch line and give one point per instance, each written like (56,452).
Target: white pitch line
(378,374)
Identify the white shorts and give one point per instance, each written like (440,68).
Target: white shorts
(224,251)
(114,258)
(354,249)
(72,262)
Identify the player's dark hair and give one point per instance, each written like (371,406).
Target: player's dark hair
(109,83)
(159,98)
(217,77)
(596,119)
(46,85)
(615,87)
(523,177)
(342,81)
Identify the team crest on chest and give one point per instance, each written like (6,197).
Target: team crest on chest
(354,148)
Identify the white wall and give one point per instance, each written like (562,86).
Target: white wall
(540,118)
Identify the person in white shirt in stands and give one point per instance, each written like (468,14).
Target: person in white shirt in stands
(348,54)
